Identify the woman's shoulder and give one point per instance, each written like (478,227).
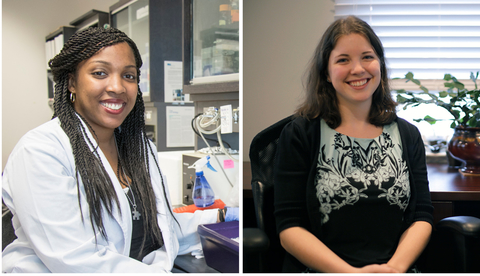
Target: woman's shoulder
(304,124)
(406,127)
(45,136)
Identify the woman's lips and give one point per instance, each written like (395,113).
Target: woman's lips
(113,107)
(358,84)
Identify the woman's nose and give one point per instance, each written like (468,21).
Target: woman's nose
(115,84)
(357,68)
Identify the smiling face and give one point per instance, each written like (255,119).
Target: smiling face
(354,70)
(105,86)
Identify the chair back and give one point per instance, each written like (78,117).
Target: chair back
(8,233)
(262,158)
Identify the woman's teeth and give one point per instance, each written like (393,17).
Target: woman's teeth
(358,83)
(112,106)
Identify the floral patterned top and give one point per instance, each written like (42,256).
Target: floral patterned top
(363,189)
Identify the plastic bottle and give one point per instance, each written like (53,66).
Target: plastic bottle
(203,195)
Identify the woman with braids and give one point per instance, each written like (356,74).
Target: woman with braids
(351,187)
(85,189)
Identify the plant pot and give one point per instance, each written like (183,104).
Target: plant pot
(465,147)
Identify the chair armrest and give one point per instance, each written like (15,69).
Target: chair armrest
(255,240)
(465,225)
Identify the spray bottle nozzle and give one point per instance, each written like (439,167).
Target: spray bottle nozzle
(202,162)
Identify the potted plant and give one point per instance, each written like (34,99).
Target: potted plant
(464,105)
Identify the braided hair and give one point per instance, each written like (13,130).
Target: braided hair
(133,145)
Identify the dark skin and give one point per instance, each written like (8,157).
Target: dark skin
(105,89)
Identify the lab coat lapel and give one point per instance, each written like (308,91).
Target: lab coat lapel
(165,219)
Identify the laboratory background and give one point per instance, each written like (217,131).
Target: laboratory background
(280,37)
(189,79)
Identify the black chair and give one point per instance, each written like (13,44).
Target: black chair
(262,245)
(8,233)
(465,233)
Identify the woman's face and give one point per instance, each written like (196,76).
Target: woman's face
(354,70)
(105,86)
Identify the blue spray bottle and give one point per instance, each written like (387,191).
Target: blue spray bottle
(203,195)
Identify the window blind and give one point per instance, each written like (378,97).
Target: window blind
(427,37)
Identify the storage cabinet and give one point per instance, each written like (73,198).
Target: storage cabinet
(55,40)
(53,45)
(156,28)
(211,58)
(93,18)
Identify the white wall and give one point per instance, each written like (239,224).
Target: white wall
(280,37)
(25,24)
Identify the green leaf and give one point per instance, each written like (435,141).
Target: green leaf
(430,120)
(459,85)
(447,77)
(472,122)
(449,84)
(453,125)
(418,120)
(416,81)
(409,76)
(400,91)
(443,94)
(401,99)
(456,114)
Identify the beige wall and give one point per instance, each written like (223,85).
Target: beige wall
(25,24)
(279,37)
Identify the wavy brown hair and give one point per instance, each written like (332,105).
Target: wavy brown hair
(133,145)
(321,99)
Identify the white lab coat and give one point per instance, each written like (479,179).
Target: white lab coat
(40,189)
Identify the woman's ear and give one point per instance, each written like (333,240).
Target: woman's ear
(71,83)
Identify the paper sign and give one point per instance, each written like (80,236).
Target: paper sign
(228,164)
(173,87)
(179,131)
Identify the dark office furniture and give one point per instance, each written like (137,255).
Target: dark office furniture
(8,233)
(268,252)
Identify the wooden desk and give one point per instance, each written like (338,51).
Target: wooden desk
(453,193)
(451,185)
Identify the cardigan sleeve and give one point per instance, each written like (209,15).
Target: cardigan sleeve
(424,207)
(291,173)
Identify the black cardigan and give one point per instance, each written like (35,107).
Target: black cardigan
(295,171)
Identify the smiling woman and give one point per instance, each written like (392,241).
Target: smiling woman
(105,88)
(85,189)
(351,188)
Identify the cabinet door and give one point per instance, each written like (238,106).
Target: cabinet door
(133,20)
(211,42)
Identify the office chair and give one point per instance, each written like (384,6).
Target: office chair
(262,245)
(465,232)
(8,233)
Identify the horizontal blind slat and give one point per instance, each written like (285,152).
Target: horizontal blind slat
(428,37)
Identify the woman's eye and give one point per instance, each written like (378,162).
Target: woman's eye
(99,73)
(342,60)
(130,76)
(368,57)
